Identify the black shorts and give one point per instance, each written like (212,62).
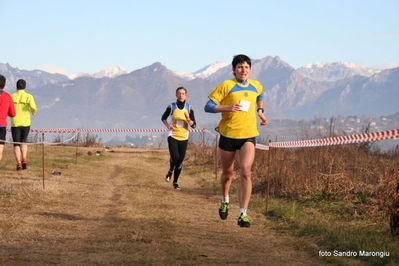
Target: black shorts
(19,134)
(228,144)
(3,132)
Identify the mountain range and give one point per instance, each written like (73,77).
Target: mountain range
(117,98)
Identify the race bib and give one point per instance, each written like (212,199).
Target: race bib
(244,105)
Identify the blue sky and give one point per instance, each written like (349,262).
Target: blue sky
(185,35)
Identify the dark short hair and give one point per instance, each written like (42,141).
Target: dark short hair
(2,82)
(239,59)
(21,84)
(181,88)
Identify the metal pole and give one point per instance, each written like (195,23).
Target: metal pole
(76,153)
(268,177)
(44,186)
(216,157)
(203,142)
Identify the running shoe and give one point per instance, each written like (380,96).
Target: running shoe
(176,186)
(168,176)
(224,210)
(23,164)
(243,221)
(19,166)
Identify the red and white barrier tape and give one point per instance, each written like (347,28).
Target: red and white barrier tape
(365,137)
(89,130)
(261,147)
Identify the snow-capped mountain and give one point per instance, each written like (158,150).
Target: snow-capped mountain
(335,71)
(81,103)
(315,71)
(116,71)
(109,72)
(203,72)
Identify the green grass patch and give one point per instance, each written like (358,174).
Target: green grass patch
(326,228)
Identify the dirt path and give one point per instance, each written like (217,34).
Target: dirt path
(118,210)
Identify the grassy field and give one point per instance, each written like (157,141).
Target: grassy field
(113,207)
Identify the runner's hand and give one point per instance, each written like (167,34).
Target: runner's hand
(263,118)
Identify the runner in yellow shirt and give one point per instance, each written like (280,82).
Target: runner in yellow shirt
(181,117)
(239,100)
(20,124)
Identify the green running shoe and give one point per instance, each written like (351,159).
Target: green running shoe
(243,221)
(224,211)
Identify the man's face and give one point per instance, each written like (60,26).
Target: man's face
(241,71)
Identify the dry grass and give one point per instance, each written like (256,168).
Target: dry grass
(345,173)
(116,209)
(332,198)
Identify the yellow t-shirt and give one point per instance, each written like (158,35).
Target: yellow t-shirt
(240,124)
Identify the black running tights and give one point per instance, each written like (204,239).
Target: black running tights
(177,151)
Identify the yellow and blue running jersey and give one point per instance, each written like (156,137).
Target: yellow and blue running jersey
(240,124)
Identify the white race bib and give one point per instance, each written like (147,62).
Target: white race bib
(244,105)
